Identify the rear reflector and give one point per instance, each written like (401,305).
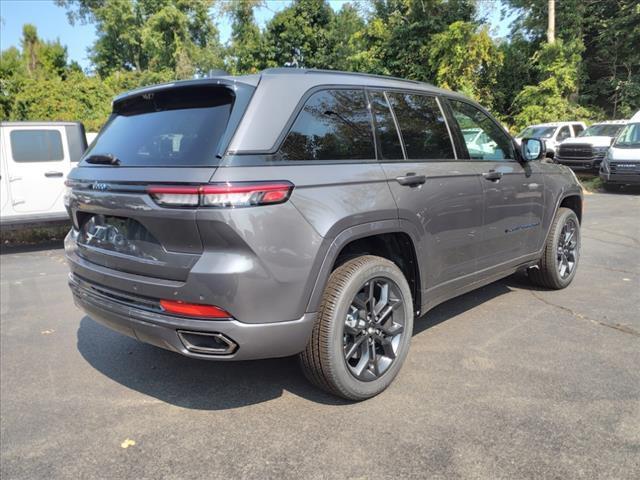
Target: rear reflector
(227,195)
(193,309)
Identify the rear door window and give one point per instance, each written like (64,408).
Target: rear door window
(386,131)
(32,146)
(563,133)
(422,125)
(176,128)
(333,125)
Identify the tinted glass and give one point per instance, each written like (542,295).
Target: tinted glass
(36,146)
(563,133)
(537,132)
(629,137)
(176,128)
(605,130)
(333,125)
(386,131)
(491,143)
(577,129)
(424,131)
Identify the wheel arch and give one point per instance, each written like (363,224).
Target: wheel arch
(388,239)
(572,201)
(571,198)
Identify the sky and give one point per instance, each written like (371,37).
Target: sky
(51,22)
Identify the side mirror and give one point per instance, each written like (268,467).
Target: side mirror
(532,149)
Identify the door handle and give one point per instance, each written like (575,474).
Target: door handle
(53,174)
(492,175)
(411,180)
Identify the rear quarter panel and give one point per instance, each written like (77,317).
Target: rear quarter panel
(290,242)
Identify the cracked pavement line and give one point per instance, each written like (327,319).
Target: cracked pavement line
(573,313)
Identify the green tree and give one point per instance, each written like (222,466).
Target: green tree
(515,72)
(612,56)
(343,39)
(246,51)
(399,32)
(553,97)
(609,66)
(465,58)
(298,35)
(38,60)
(175,35)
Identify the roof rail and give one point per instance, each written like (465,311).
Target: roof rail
(302,71)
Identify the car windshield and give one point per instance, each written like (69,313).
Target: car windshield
(172,128)
(602,130)
(537,132)
(629,137)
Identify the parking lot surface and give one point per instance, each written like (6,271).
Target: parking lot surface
(508,381)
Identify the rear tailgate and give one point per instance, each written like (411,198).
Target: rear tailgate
(173,135)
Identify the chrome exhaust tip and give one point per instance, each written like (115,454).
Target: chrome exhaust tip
(207,343)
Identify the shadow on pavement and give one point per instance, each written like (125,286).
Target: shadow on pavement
(204,385)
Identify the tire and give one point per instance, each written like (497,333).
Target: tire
(549,272)
(343,326)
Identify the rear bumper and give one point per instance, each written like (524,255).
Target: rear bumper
(247,341)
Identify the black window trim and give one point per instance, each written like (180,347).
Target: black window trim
(446,122)
(368,91)
(513,152)
(423,93)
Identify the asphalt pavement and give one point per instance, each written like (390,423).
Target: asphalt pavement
(508,381)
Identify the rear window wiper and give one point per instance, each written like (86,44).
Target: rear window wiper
(106,159)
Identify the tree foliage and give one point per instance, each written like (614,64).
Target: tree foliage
(592,71)
(552,97)
(245,53)
(157,35)
(465,58)
(609,32)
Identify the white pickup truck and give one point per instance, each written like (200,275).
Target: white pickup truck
(35,158)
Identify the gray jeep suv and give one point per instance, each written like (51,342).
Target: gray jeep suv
(306,212)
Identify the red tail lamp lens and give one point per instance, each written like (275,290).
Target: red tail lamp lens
(222,195)
(193,309)
(245,195)
(176,196)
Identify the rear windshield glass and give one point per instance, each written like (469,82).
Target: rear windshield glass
(174,128)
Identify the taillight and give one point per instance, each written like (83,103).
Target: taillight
(175,196)
(230,195)
(223,195)
(193,309)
